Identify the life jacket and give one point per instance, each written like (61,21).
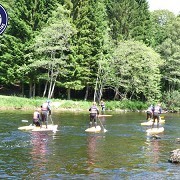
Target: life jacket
(103,105)
(44,107)
(36,115)
(150,109)
(94,110)
(157,109)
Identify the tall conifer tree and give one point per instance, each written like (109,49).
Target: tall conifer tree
(91,23)
(129,19)
(25,17)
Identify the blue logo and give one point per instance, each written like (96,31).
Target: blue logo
(3,19)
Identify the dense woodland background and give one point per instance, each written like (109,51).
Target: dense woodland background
(90,49)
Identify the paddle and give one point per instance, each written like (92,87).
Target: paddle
(51,119)
(102,125)
(24,120)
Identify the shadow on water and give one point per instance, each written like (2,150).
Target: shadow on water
(123,152)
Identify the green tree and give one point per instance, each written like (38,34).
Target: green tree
(135,71)
(11,51)
(161,19)
(169,50)
(172,100)
(25,18)
(35,13)
(52,44)
(12,48)
(103,74)
(130,19)
(91,21)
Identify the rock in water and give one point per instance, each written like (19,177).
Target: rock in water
(155,137)
(178,140)
(175,156)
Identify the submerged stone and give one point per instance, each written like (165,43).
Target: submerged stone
(178,140)
(175,156)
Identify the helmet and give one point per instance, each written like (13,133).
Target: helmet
(94,103)
(48,101)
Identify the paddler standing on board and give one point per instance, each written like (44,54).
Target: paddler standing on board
(156,111)
(102,104)
(37,117)
(45,111)
(94,112)
(149,113)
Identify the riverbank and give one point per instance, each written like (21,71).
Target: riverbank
(21,103)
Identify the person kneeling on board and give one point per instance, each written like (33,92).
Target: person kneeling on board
(37,117)
(45,111)
(156,111)
(94,112)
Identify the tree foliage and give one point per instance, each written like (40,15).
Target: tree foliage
(135,71)
(129,19)
(52,44)
(161,19)
(169,50)
(91,23)
(90,47)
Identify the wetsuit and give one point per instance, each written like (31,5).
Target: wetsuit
(36,118)
(156,111)
(93,115)
(149,113)
(45,111)
(102,107)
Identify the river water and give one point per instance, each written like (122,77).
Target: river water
(123,152)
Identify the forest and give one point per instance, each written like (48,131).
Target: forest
(90,49)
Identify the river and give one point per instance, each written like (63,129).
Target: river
(123,152)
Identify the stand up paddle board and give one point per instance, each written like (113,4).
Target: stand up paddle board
(149,123)
(50,127)
(155,130)
(94,129)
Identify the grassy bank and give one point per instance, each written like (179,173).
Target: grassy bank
(14,102)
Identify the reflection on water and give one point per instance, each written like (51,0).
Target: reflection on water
(156,150)
(39,153)
(92,148)
(93,144)
(153,149)
(39,141)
